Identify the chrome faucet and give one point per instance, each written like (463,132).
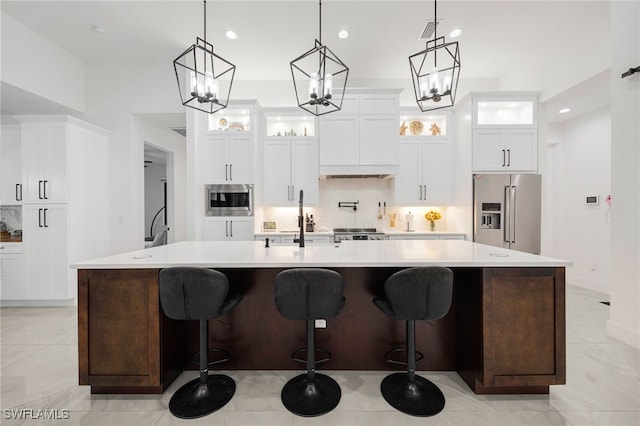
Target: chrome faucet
(300,223)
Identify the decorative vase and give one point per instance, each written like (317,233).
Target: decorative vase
(432,225)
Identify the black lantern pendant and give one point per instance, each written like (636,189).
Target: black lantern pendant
(435,72)
(204,78)
(316,74)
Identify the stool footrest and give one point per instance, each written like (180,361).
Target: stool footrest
(387,356)
(226,354)
(295,355)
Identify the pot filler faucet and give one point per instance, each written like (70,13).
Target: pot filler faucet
(300,223)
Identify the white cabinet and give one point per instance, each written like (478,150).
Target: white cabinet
(228,158)
(508,150)
(289,166)
(363,134)
(228,228)
(45,230)
(10,166)
(65,212)
(505,135)
(426,174)
(44,162)
(12,271)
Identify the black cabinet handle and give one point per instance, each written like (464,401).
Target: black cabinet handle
(40,218)
(45,189)
(503,158)
(230,171)
(45,218)
(226,172)
(509,157)
(18,192)
(231,227)
(226,228)
(40,189)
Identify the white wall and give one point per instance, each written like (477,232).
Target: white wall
(624,318)
(33,63)
(154,177)
(581,231)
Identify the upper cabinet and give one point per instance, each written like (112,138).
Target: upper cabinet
(505,135)
(10,166)
(363,136)
(426,150)
(290,153)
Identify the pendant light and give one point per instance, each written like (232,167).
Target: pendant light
(435,71)
(204,78)
(316,74)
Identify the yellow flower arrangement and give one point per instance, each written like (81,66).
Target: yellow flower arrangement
(432,216)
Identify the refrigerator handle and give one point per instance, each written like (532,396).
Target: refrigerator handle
(507,214)
(513,215)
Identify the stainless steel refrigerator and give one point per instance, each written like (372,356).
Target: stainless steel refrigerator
(506,211)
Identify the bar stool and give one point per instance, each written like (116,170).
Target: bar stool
(309,294)
(415,294)
(188,293)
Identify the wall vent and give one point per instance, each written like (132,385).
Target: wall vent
(429,29)
(180,130)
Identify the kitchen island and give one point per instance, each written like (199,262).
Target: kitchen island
(505,332)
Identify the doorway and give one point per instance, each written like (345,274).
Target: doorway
(157,195)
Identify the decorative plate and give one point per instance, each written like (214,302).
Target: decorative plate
(416,127)
(223,121)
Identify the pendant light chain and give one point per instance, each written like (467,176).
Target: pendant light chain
(320,21)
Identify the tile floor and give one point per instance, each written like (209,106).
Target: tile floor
(39,370)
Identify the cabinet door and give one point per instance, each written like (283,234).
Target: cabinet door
(241,229)
(489,154)
(216,160)
(436,172)
(12,276)
(521,149)
(339,141)
(215,229)
(408,182)
(44,163)
(304,172)
(241,167)
(277,173)
(10,168)
(45,250)
(378,140)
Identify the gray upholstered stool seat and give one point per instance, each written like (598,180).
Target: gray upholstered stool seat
(309,294)
(415,294)
(198,294)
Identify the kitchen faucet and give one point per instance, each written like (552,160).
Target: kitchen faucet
(300,223)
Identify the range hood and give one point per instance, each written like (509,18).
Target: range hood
(359,171)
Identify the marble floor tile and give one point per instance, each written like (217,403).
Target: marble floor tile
(38,370)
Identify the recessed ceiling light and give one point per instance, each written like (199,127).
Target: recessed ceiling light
(231,34)
(455,32)
(343,34)
(564,110)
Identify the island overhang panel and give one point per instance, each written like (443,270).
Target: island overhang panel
(505,332)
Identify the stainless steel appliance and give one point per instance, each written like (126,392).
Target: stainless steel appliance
(228,200)
(506,211)
(356,234)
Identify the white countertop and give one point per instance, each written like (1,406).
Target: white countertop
(385,253)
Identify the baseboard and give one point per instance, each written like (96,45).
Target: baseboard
(37,303)
(624,334)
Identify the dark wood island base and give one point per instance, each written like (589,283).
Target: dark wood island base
(505,332)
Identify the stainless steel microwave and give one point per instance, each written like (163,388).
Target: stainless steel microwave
(228,200)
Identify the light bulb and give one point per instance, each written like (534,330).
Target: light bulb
(200,85)
(208,84)
(193,83)
(434,83)
(423,85)
(446,84)
(313,86)
(328,86)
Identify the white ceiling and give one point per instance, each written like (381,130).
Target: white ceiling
(501,39)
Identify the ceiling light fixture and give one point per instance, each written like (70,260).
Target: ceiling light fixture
(435,72)
(98,30)
(343,34)
(564,110)
(455,33)
(204,78)
(315,75)
(231,35)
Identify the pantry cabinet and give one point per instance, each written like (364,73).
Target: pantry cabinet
(11,188)
(44,162)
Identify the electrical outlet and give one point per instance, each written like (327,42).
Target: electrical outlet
(320,323)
